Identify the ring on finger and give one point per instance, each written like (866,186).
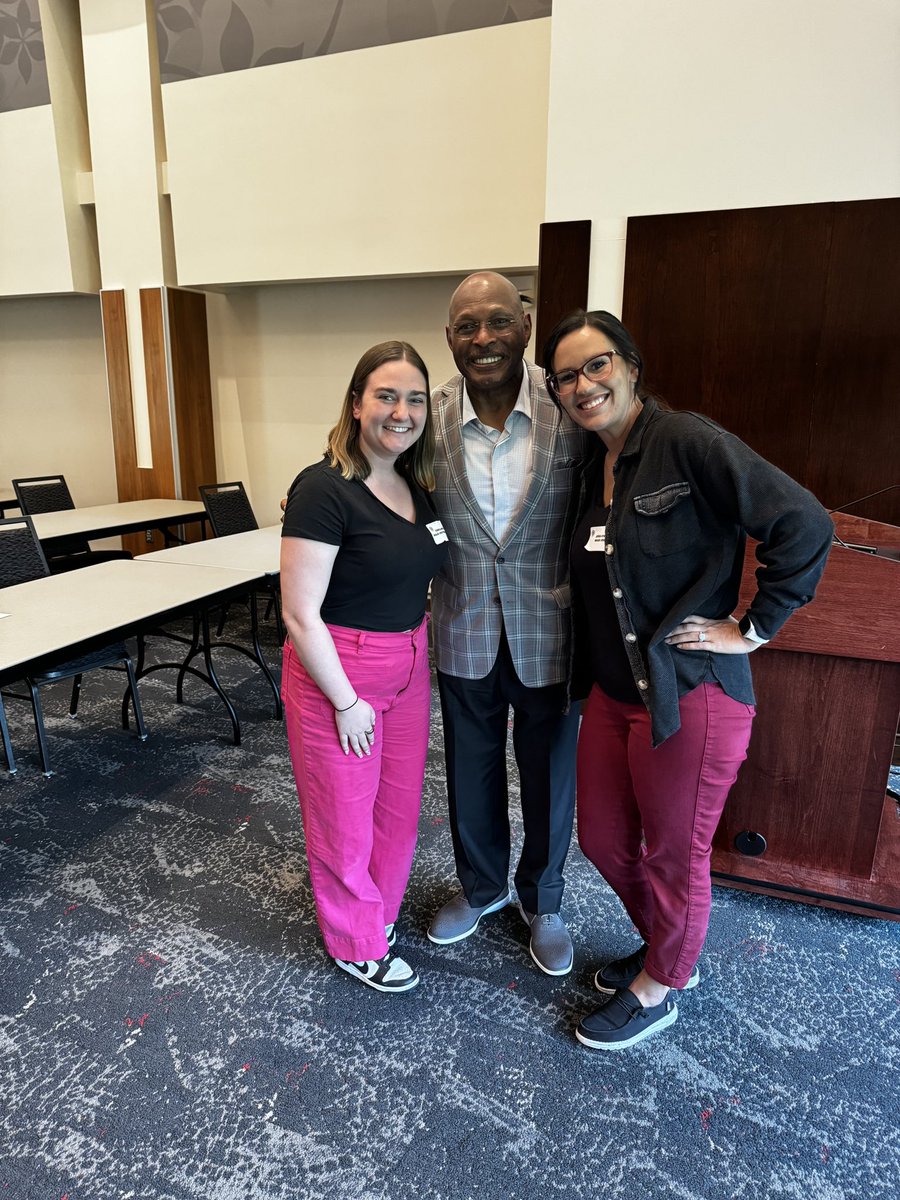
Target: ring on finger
(701,636)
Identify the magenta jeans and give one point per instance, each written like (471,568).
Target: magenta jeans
(360,815)
(646,817)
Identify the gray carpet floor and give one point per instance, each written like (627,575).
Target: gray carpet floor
(171,1028)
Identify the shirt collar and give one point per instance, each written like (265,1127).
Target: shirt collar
(636,433)
(522,404)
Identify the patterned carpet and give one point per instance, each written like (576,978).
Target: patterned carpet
(170,1027)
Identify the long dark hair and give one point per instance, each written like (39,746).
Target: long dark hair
(344,450)
(610,327)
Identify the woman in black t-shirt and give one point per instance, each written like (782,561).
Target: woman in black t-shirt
(361,542)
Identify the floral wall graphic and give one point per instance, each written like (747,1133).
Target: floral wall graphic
(208,37)
(23,71)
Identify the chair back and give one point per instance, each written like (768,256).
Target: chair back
(50,493)
(228,508)
(43,493)
(21,556)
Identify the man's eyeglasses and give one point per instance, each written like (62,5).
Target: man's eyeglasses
(595,370)
(467,329)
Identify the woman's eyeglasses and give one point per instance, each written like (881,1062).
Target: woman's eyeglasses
(595,370)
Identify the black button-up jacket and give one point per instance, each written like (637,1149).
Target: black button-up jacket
(687,494)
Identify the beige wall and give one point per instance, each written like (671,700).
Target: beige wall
(416,159)
(53,401)
(421,157)
(282,357)
(703,105)
(34,246)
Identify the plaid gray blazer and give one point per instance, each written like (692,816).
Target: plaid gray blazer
(522,581)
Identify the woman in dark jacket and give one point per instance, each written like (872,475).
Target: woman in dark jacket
(665,508)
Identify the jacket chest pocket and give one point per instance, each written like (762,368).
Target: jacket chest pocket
(666,520)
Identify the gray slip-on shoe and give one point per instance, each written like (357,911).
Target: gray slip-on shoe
(458,919)
(550,945)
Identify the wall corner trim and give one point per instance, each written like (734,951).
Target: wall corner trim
(84,187)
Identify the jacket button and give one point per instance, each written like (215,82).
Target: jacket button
(496,599)
(609,548)
(501,559)
(643,684)
(617,592)
(630,637)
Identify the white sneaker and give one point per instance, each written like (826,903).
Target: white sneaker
(388,974)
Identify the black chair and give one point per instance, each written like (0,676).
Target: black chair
(228,507)
(22,560)
(229,510)
(50,493)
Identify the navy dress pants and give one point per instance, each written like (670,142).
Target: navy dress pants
(476,725)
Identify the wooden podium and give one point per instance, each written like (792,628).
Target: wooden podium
(813,785)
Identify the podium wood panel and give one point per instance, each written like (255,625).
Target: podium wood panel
(828,693)
(854,614)
(813,781)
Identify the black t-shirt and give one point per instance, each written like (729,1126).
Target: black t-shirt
(385,563)
(597,609)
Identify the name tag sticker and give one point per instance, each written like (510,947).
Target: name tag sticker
(436,529)
(597,538)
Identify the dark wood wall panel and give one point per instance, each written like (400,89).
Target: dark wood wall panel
(855,441)
(564,261)
(134,482)
(781,324)
(160,479)
(192,390)
(118,379)
(186,351)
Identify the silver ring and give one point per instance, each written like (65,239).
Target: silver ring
(701,636)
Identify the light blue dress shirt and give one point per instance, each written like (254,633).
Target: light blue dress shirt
(498,461)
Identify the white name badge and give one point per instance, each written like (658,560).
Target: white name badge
(597,538)
(436,529)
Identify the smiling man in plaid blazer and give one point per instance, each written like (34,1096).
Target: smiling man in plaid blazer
(506,459)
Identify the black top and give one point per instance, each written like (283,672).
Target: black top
(687,495)
(593,599)
(385,563)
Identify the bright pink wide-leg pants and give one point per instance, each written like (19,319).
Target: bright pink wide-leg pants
(360,815)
